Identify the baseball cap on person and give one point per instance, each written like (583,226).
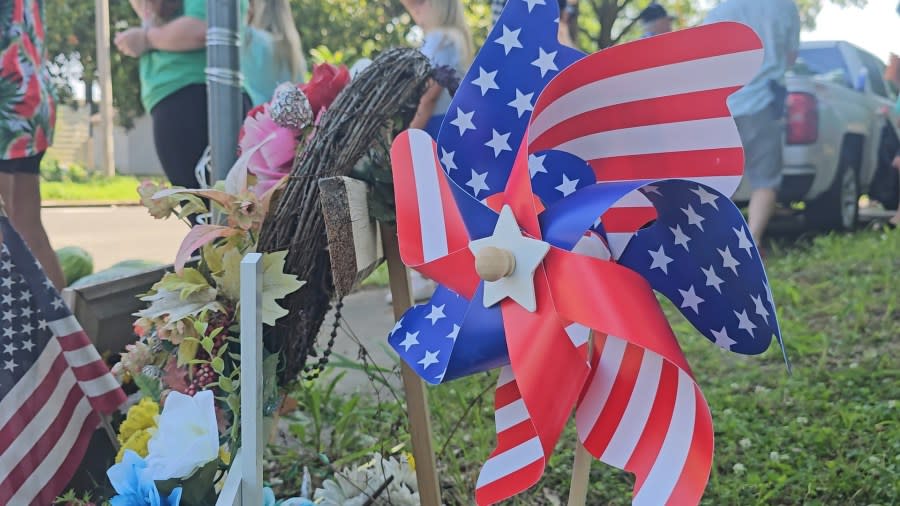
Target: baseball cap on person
(653,12)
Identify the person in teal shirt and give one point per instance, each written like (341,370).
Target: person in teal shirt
(171,45)
(271,52)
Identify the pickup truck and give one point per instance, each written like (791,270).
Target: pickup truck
(838,109)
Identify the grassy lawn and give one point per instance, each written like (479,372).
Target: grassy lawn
(827,435)
(118,189)
(73,183)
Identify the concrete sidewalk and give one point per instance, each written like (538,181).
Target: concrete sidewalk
(366,321)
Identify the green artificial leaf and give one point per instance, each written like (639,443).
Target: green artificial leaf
(187,351)
(218,365)
(276,286)
(189,282)
(150,387)
(165,487)
(207,344)
(198,489)
(169,303)
(228,278)
(270,382)
(226,384)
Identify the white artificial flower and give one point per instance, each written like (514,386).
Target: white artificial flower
(186,438)
(354,487)
(745,443)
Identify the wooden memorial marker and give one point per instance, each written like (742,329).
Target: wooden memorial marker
(355,250)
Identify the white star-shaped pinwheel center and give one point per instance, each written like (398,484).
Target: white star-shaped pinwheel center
(519,254)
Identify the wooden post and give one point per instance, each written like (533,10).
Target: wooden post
(581,468)
(251,381)
(416,400)
(104,77)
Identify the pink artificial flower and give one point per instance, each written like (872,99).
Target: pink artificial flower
(276,148)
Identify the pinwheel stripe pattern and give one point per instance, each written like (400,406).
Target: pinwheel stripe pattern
(518,456)
(633,393)
(638,114)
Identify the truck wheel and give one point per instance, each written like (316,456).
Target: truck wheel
(837,208)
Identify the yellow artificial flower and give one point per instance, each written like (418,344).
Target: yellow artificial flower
(411,461)
(136,430)
(136,443)
(225,455)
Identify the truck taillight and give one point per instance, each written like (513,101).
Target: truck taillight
(803,119)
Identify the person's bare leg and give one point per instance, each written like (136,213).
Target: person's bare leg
(762,206)
(26,217)
(6,190)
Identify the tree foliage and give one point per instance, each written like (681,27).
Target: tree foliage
(72,45)
(607,22)
(342,31)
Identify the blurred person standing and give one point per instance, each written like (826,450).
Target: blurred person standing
(27,117)
(271,52)
(758,107)
(655,20)
(171,45)
(448,42)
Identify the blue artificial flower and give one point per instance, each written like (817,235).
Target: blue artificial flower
(134,485)
(269,500)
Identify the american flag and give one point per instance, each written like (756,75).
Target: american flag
(53,383)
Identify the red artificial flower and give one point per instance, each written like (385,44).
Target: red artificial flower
(326,82)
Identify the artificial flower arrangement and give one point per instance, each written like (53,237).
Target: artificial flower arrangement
(176,441)
(182,461)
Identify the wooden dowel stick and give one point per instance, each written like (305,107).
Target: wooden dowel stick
(416,400)
(581,468)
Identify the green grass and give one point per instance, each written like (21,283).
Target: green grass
(828,435)
(118,188)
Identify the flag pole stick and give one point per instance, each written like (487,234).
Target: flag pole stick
(581,468)
(110,433)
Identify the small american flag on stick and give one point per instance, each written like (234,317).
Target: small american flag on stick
(53,384)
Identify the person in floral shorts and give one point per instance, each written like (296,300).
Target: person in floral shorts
(27,117)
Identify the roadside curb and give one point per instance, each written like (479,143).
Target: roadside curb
(88,203)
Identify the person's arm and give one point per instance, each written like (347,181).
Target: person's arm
(140,8)
(793,46)
(181,34)
(426,106)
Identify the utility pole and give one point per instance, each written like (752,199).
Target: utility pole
(104,76)
(224,82)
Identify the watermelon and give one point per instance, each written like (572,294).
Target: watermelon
(76,263)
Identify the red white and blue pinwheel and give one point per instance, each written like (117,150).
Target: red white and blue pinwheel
(562,191)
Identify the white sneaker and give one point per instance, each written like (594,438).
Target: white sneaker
(422,288)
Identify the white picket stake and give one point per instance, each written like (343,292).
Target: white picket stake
(244,484)
(231,490)
(251,380)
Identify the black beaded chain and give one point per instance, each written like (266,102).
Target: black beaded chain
(312,372)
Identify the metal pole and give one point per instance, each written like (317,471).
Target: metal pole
(104,76)
(223,79)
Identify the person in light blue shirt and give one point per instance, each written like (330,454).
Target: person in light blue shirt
(271,52)
(758,107)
